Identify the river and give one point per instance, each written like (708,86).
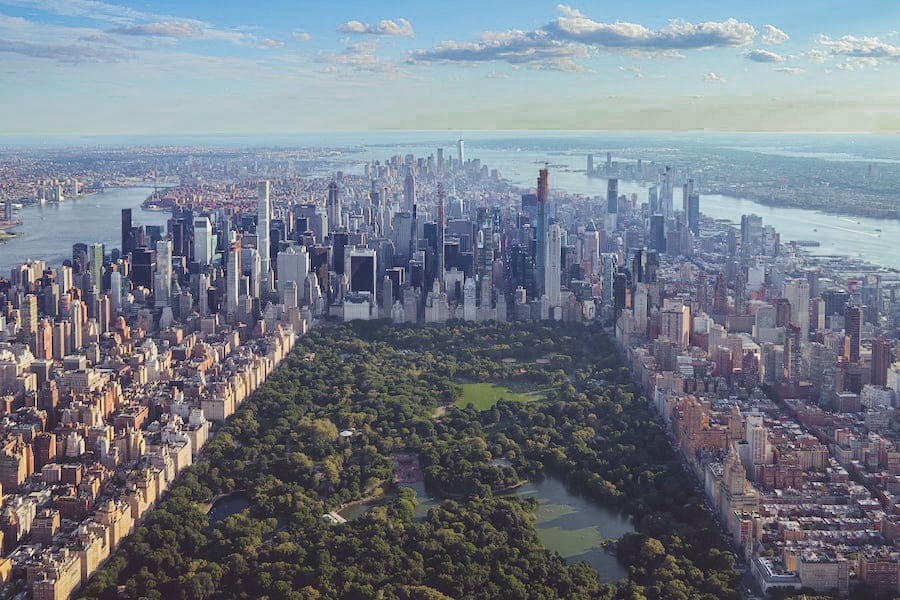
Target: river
(49,230)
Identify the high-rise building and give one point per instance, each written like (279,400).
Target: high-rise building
(658,233)
(852,322)
(751,232)
(96,265)
(128,242)
(263,226)
(543,190)
(608,268)
(792,353)
(293,265)
(361,268)
(409,190)
(162,283)
(441,225)
(232,277)
(461,152)
(612,196)
(333,206)
(881,361)
(692,207)
(28,315)
(553,249)
(203,246)
(590,165)
(797,293)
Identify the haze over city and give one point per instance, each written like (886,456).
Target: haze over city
(449,301)
(92,67)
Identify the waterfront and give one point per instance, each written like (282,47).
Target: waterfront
(48,231)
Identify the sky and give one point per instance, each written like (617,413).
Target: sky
(279,66)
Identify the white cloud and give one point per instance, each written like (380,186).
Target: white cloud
(387,27)
(711,77)
(361,56)
(764,56)
(269,43)
(301,36)
(176,29)
(497,75)
(857,63)
(860,47)
(791,70)
(574,35)
(773,35)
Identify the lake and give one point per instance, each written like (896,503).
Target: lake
(569,524)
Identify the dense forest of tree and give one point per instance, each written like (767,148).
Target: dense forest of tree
(283,452)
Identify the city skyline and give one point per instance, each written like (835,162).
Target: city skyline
(118,68)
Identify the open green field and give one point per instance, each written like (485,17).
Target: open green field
(484,395)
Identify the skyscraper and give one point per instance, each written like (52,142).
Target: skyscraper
(96,265)
(203,247)
(232,277)
(361,265)
(462,154)
(263,224)
(441,259)
(409,189)
(162,283)
(881,361)
(127,234)
(552,269)
(797,293)
(334,209)
(852,321)
(543,190)
(612,196)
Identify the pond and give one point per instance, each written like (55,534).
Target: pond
(575,526)
(226,506)
(567,523)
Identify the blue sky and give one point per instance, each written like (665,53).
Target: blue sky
(88,66)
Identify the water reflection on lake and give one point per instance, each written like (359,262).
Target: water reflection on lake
(567,523)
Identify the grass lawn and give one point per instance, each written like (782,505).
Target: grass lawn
(484,395)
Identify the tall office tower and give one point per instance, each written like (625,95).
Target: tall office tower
(409,190)
(102,306)
(28,315)
(95,256)
(653,199)
(251,264)
(263,225)
(675,323)
(77,325)
(692,208)
(203,292)
(608,268)
(751,231)
(658,233)
(543,191)
(797,293)
(852,322)
(413,234)
(127,233)
(609,161)
(668,194)
(361,267)
(440,161)
(591,250)
(333,207)
(115,290)
(162,283)
(553,249)
(232,277)
(881,361)
(590,165)
(203,246)
(43,343)
(461,152)
(792,352)
(441,258)
(293,265)
(612,196)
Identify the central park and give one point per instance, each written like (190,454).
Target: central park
(458,461)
